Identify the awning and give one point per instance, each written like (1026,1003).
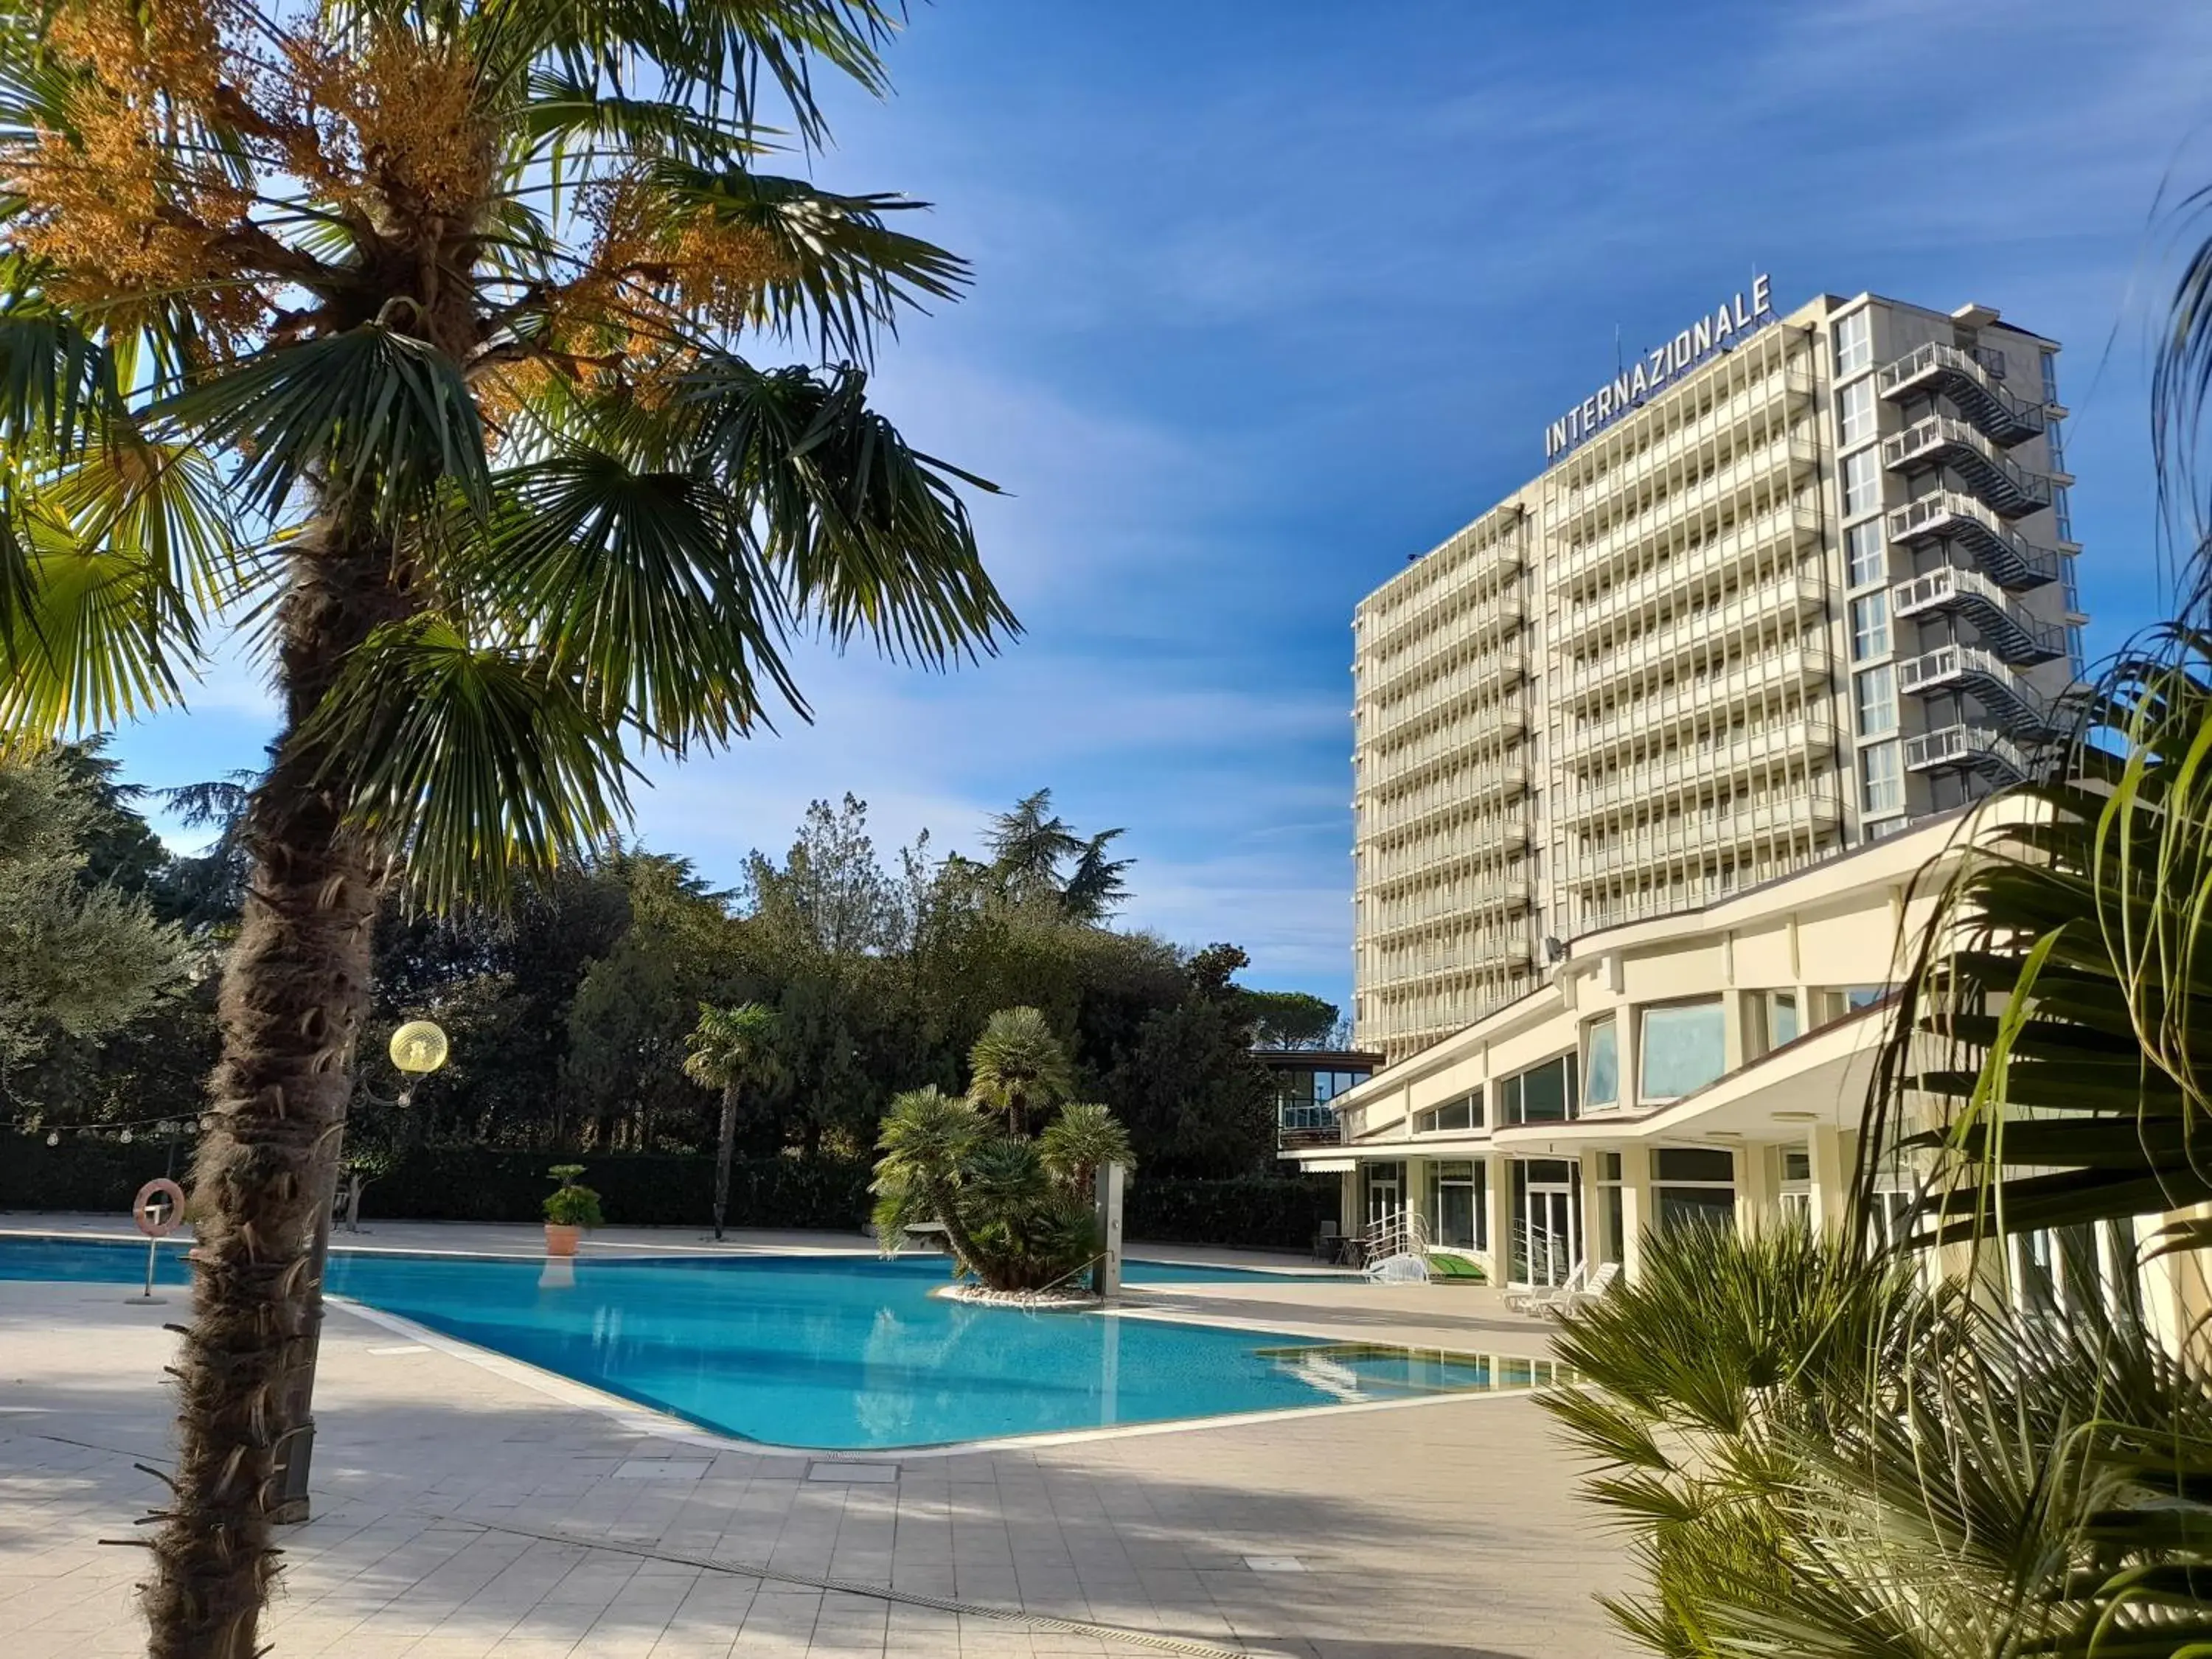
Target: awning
(1328,1166)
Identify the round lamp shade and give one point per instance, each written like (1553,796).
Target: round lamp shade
(418,1046)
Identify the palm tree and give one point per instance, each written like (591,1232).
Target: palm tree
(728,1049)
(1018,1066)
(416,337)
(926,1141)
(1082,1140)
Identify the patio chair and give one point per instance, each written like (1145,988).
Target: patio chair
(1576,1301)
(1537,1298)
(1329,1242)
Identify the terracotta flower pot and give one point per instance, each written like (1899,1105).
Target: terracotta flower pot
(561,1241)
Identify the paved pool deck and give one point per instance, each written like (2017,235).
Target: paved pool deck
(469,1508)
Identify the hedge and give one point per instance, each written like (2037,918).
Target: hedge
(477,1184)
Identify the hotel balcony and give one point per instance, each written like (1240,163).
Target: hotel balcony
(1778,607)
(1963,378)
(1982,676)
(2018,638)
(1806,814)
(1771,472)
(1701,704)
(1469,627)
(1995,477)
(1493,734)
(1395,807)
(1500,894)
(1482,952)
(1964,747)
(1491,839)
(1689,770)
(1782,528)
(1455,690)
(1588,483)
(2010,559)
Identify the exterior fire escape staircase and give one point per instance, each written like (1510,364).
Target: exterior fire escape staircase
(2017,638)
(2008,558)
(1994,477)
(1965,380)
(1983,676)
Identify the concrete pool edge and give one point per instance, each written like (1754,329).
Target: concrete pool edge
(667,1425)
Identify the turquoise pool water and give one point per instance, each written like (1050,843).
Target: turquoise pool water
(838,1352)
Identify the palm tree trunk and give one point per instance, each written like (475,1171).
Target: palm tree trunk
(945,1202)
(724,1141)
(295,989)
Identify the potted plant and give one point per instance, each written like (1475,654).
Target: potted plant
(569,1208)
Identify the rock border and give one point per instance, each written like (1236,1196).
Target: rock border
(1034,1301)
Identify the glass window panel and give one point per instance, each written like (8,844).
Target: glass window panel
(1684,1048)
(1782,1024)
(1546,1091)
(1685,1206)
(1854,344)
(1862,483)
(1796,1165)
(1855,415)
(1602,1087)
(1882,779)
(1693,1163)
(1869,626)
(1877,701)
(1866,552)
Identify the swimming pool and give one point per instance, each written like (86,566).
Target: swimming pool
(840,1353)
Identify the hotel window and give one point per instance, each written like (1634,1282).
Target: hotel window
(1881,780)
(1465,1113)
(2062,511)
(1782,1024)
(1869,626)
(2050,377)
(1855,414)
(1876,691)
(1681,1048)
(1862,483)
(1866,553)
(1459,1201)
(2057,445)
(1693,1185)
(1601,1068)
(1854,344)
(1611,1247)
(1796,1193)
(1542,1094)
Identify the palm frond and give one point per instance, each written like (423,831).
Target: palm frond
(473,762)
(376,419)
(843,274)
(644,585)
(870,536)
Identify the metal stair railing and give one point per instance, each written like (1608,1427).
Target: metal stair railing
(2011,559)
(1990,474)
(2020,639)
(1967,381)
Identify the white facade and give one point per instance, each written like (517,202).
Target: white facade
(1816,588)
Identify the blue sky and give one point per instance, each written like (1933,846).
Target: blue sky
(1271,295)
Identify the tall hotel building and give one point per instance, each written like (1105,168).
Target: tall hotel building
(1786,585)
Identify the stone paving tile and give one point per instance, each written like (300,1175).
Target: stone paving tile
(1441,1532)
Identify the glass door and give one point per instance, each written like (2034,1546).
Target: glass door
(1386,1193)
(1548,1240)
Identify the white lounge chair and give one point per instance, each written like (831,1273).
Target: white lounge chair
(1537,1298)
(1574,1301)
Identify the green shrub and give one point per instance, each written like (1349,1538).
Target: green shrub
(482,1183)
(572,1204)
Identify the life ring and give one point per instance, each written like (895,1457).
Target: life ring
(168,1191)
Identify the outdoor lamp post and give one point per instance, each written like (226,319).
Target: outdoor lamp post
(417,1049)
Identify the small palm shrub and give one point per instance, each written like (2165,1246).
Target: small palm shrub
(1846,1463)
(1016,1212)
